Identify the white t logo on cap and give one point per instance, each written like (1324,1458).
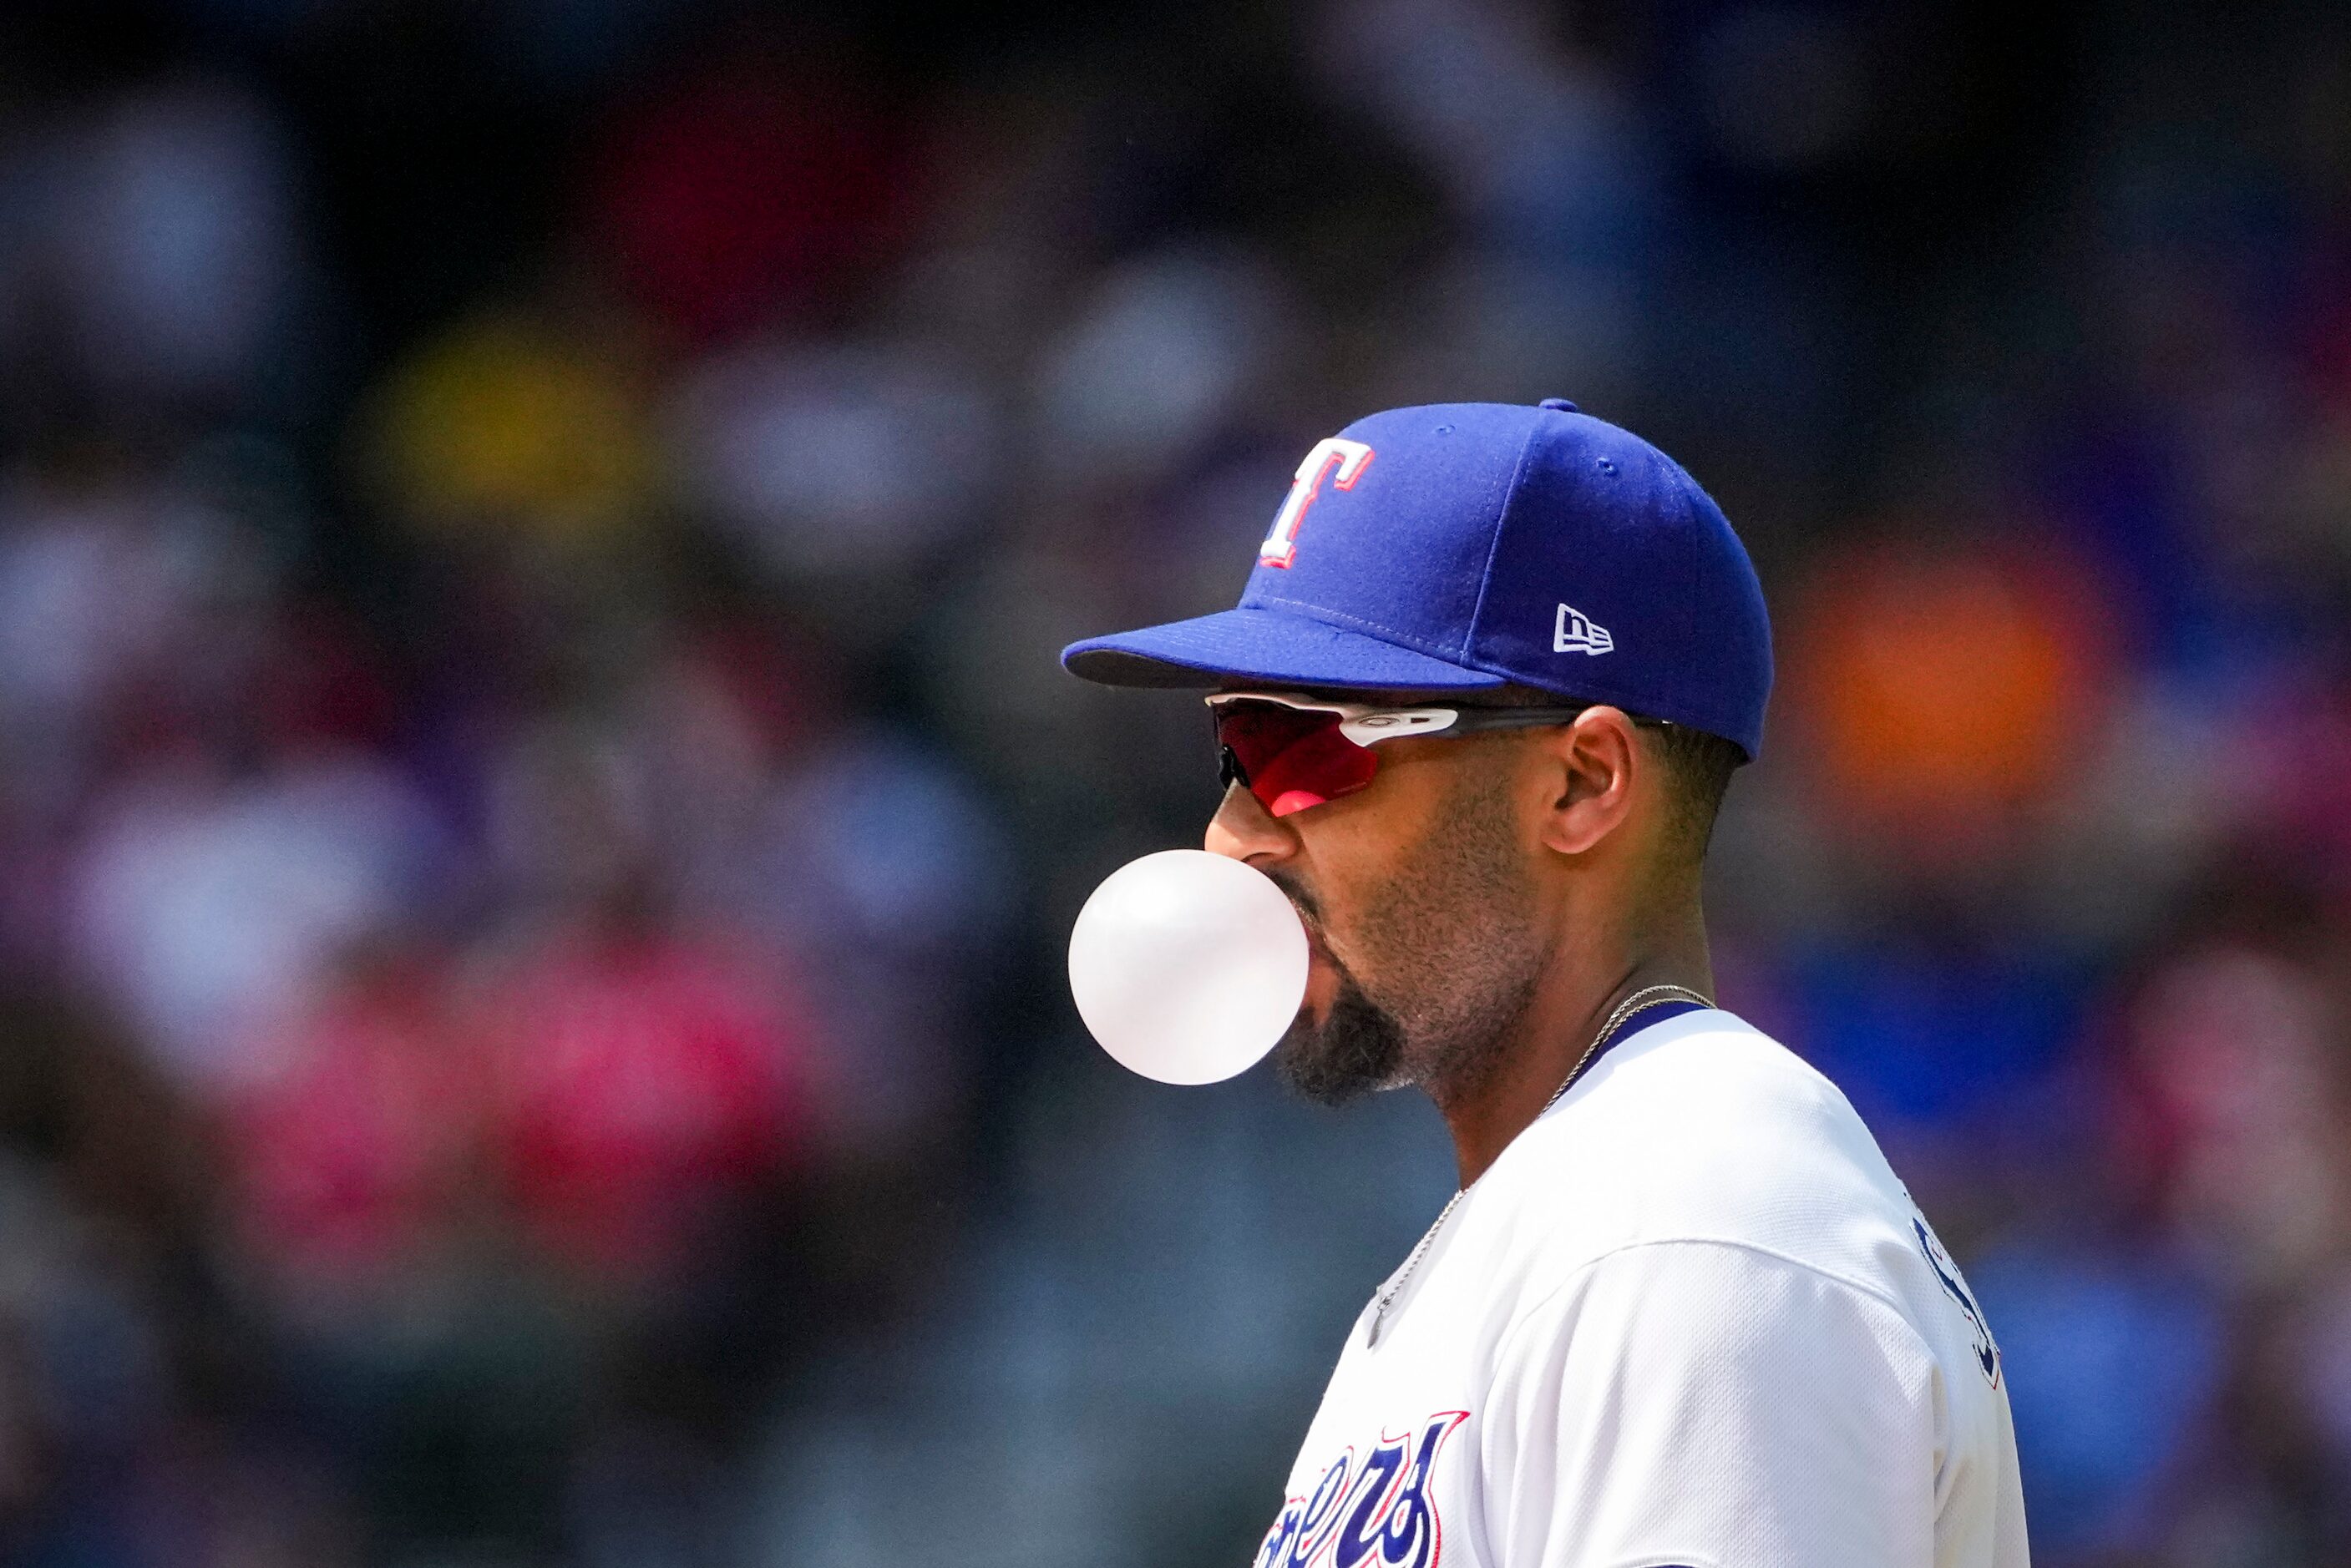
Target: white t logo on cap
(1349,457)
(1576,632)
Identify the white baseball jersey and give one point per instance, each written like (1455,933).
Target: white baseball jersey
(1689,1318)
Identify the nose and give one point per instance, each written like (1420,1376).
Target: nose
(1244,830)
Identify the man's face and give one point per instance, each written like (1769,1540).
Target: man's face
(1418,898)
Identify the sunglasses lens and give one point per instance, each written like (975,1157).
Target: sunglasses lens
(1291,758)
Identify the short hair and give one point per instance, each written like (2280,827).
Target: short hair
(1697,766)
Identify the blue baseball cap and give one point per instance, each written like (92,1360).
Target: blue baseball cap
(1462,546)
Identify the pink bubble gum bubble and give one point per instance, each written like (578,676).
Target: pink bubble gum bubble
(1187,967)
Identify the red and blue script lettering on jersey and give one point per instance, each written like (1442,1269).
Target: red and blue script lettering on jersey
(1376,1512)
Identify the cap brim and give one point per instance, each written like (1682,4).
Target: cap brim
(1264,648)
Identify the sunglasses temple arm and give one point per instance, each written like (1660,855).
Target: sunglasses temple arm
(1475,719)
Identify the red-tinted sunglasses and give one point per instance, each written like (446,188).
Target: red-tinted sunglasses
(1292,753)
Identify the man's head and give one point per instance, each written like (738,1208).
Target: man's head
(1437,895)
(1479,555)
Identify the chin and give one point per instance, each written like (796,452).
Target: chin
(1354,1049)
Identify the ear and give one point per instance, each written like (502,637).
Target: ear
(1589,772)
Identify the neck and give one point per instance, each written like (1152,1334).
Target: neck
(1579,988)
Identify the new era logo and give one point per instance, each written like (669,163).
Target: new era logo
(1576,632)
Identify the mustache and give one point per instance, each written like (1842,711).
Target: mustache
(1296,892)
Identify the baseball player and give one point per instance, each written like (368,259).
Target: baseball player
(1476,712)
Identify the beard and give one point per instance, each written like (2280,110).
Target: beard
(1449,958)
(1357,1048)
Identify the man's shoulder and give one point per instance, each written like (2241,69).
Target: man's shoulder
(1703,1090)
(1700,1129)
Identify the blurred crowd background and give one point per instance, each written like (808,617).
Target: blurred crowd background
(538,813)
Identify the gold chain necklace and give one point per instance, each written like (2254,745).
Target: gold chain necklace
(1640,1001)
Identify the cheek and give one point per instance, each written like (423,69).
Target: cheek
(1354,856)
(1348,891)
